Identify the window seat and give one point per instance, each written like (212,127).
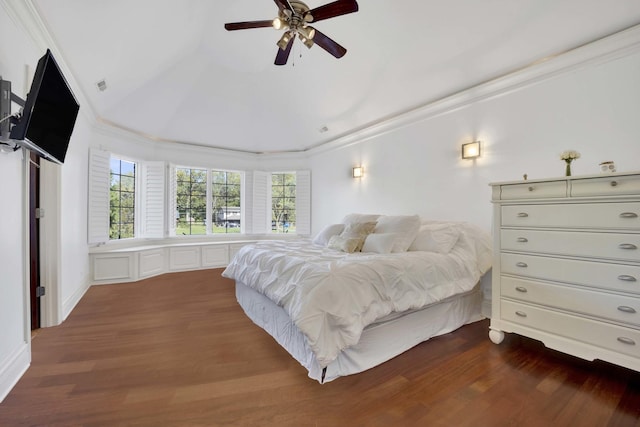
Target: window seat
(136,260)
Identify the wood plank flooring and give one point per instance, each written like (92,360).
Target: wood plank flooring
(177,350)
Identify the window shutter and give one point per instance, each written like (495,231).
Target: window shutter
(153,189)
(247,202)
(171,200)
(303,202)
(261,222)
(98,198)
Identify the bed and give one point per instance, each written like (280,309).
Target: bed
(340,306)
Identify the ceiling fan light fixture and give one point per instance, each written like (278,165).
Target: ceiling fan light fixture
(278,24)
(306,35)
(284,40)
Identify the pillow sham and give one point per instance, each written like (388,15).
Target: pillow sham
(435,238)
(329,231)
(356,217)
(344,244)
(404,227)
(380,243)
(358,230)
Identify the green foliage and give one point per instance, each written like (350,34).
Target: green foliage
(283,202)
(122,199)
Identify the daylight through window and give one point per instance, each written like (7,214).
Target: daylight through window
(191,201)
(283,202)
(225,206)
(122,199)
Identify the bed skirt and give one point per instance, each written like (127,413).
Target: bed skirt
(379,342)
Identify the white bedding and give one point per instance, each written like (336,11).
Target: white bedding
(331,296)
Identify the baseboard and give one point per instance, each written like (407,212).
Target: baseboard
(12,369)
(74,299)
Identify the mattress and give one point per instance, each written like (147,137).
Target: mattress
(379,342)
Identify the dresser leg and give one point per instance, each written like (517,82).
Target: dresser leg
(496,336)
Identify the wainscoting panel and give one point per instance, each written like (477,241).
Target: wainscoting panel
(184,258)
(152,262)
(113,267)
(215,256)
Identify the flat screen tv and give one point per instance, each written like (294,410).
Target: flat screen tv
(49,114)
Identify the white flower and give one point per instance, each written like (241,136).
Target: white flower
(569,155)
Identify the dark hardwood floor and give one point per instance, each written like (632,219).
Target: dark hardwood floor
(177,350)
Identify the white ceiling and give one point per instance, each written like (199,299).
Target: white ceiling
(173,72)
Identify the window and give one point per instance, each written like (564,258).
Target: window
(283,202)
(191,201)
(225,206)
(122,196)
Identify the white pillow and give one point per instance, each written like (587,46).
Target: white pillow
(440,239)
(356,217)
(358,230)
(344,244)
(404,226)
(379,243)
(323,237)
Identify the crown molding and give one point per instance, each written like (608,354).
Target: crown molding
(600,51)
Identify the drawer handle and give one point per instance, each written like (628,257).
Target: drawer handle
(521,289)
(522,239)
(521,264)
(627,246)
(626,278)
(627,309)
(522,214)
(521,314)
(531,188)
(628,215)
(625,340)
(614,183)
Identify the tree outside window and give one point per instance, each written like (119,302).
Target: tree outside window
(191,201)
(225,209)
(283,202)
(122,199)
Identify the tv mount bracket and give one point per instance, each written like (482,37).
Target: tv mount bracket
(6,118)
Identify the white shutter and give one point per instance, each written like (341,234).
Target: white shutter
(261,223)
(303,202)
(98,198)
(153,206)
(247,203)
(171,200)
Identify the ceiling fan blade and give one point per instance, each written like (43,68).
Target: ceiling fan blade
(328,44)
(247,25)
(330,10)
(283,55)
(283,4)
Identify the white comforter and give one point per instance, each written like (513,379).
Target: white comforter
(332,296)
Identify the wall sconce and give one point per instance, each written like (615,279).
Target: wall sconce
(471,150)
(358,171)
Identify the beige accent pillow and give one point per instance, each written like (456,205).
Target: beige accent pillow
(356,217)
(343,244)
(327,233)
(358,230)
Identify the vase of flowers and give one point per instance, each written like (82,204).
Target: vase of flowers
(569,156)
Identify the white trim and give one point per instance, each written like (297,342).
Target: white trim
(51,313)
(74,299)
(13,368)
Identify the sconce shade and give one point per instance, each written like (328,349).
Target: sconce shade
(358,171)
(471,150)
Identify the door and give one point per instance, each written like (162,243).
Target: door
(34,239)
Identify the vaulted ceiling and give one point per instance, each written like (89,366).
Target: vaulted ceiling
(174,73)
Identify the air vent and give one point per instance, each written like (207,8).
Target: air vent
(102,85)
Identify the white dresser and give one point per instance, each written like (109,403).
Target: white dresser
(566,265)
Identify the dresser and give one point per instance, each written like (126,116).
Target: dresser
(566,267)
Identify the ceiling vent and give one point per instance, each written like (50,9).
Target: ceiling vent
(102,85)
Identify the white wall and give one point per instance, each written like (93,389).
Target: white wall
(417,168)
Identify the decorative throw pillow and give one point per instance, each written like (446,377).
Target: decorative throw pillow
(358,230)
(440,239)
(329,231)
(379,243)
(343,244)
(356,217)
(405,227)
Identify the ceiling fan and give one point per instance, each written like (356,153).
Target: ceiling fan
(294,17)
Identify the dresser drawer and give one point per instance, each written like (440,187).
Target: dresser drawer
(605,186)
(623,216)
(612,337)
(617,277)
(580,301)
(612,246)
(534,190)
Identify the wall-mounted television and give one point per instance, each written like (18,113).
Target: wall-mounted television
(49,114)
